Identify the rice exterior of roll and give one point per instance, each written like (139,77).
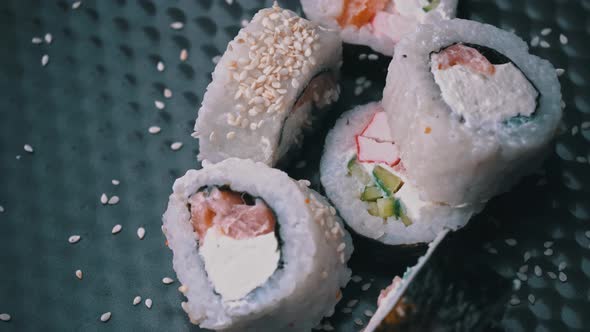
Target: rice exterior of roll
(368,183)
(471,110)
(254,249)
(276,77)
(379,24)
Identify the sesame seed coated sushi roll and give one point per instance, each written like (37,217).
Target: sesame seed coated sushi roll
(470,109)
(365,178)
(267,86)
(379,24)
(254,249)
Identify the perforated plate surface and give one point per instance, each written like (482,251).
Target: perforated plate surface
(87,113)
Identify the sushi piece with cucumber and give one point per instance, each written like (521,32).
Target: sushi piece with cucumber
(379,24)
(254,249)
(275,79)
(367,180)
(470,110)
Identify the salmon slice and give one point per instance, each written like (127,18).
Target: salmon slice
(360,12)
(228,211)
(469,57)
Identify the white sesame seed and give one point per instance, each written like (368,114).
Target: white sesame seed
(360,80)
(522,276)
(176,146)
(230,135)
(5,317)
(535,41)
(516,283)
(531,298)
(177,25)
(546,31)
(74,239)
(18,156)
(183,55)
(352,303)
(538,271)
(562,266)
(28,148)
(44,60)
(559,71)
(104,199)
(548,244)
(167,93)
(243,23)
(183,289)
(159,104)
(167,280)
(148,303)
(544,44)
(115,182)
(79,274)
(563,39)
(327,327)
(527,256)
(154,130)
(116,229)
(356,278)
(113,200)
(358,90)
(229,2)
(358,321)
(366,286)
(369,313)
(48,38)
(216,59)
(160,66)
(105,317)
(76,4)
(1,209)
(212,136)
(140,233)
(548,252)
(511,242)
(562,277)
(362,56)
(346,310)
(36,40)
(373,57)
(552,275)
(136,300)
(514,300)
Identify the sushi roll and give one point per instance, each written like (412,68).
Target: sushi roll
(276,77)
(379,24)
(470,110)
(367,180)
(254,249)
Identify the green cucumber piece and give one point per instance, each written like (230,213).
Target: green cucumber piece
(371,194)
(398,211)
(358,172)
(385,206)
(432,5)
(389,182)
(373,210)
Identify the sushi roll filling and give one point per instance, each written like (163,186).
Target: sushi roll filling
(360,13)
(237,240)
(481,86)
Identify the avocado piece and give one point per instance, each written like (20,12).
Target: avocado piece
(432,5)
(373,210)
(371,194)
(389,182)
(385,206)
(358,172)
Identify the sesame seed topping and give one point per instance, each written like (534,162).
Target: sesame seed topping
(562,266)
(148,303)
(546,31)
(544,44)
(76,4)
(341,247)
(1,209)
(230,135)
(212,136)
(141,233)
(559,71)
(523,269)
(159,104)
(167,280)
(183,55)
(366,286)
(183,289)
(136,300)
(79,274)
(105,317)
(548,244)
(562,277)
(563,39)
(154,130)
(358,321)
(44,60)
(362,56)
(352,303)
(526,256)
(74,239)
(167,93)
(548,252)
(160,66)
(369,313)
(115,182)
(346,310)
(48,38)
(552,275)
(514,300)
(176,146)
(522,276)
(28,148)
(5,317)
(177,25)
(356,278)
(116,229)
(538,271)
(511,242)
(36,40)
(113,200)
(373,57)
(531,298)
(535,41)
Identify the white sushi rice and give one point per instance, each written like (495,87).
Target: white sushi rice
(344,190)
(311,233)
(399,18)
(251,94)
(448,161)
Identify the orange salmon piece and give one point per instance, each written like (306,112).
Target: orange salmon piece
(360,12)
(469,57)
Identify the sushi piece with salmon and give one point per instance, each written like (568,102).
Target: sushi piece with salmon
(366,178)
(275,80)
(470,110)
(379,24)
(254,249)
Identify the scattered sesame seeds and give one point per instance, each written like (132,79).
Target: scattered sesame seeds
(160,66)
(48,38)
(167,280)
(36,40)
(5,317)
(358,321)
(115,182)
(548,244)
(104,199)
(559,71)
(356,278)
(167,93)
(230,135)
(548,252)
(28,148)
(44,60)
(105,317)
(148,303)
(74,239)
(562,266)
(176,146)
(551,275)
(76,4)
(531,298)
(535,41)
(79,274)
(538,271)
(511,242)
(544,44)
(116,229)
(369,313)
(352,303)
(140,233)
(563,39)
(159,104)
(562,277)
(546,31)
(137,300)
(154,130)
(366,286)
(177,25)
(113,200)
(514,300)
(373,57)
(183,55)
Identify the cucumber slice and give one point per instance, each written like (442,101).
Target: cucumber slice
(385,206)
(373,210)
(432,5)
(371,194)
(398,211)
(389,182)
(358,172)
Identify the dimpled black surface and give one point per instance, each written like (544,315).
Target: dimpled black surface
(87,112)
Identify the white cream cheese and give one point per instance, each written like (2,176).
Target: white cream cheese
(236,267)
(486,99)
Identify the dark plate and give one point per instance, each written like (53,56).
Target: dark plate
(87,112)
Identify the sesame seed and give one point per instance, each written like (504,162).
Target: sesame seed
(538,271)
(76,4)
(216,59)
(346,310)
(140,233)
(562,277)
(523,269)
(581,159)
(104,199)
(563,39)
(1,209)
(358,321)
(341,247)
(373,57)
(230,135)
(79,274)
(28,148)
(115,182)
(229,2)
(522,276)
(116,229)
(492,250)
(154,130)
(177,25)
(159,104)
(243,23)
(176,146)
(183,55)
(369,313)
(136,300)
(546,31)
(212,136)
(295,83)
(48,38)
(5,317)
(516,283)
(514,300)
(160,66)
(531,298)
(358,90)
(74,239)
(148,303)
(167,280)
(44,60)
(548,244)
(559,71)
(113,200)
(356,278)
(544,44)
(105,317)
(552,275)
(527,256)
(362,56)
(366,286)
(352,303)
(360,80)
(167,93)
(511,242)
(535,41)
(183,289)
(562,266)
(548,252)
(36,40)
